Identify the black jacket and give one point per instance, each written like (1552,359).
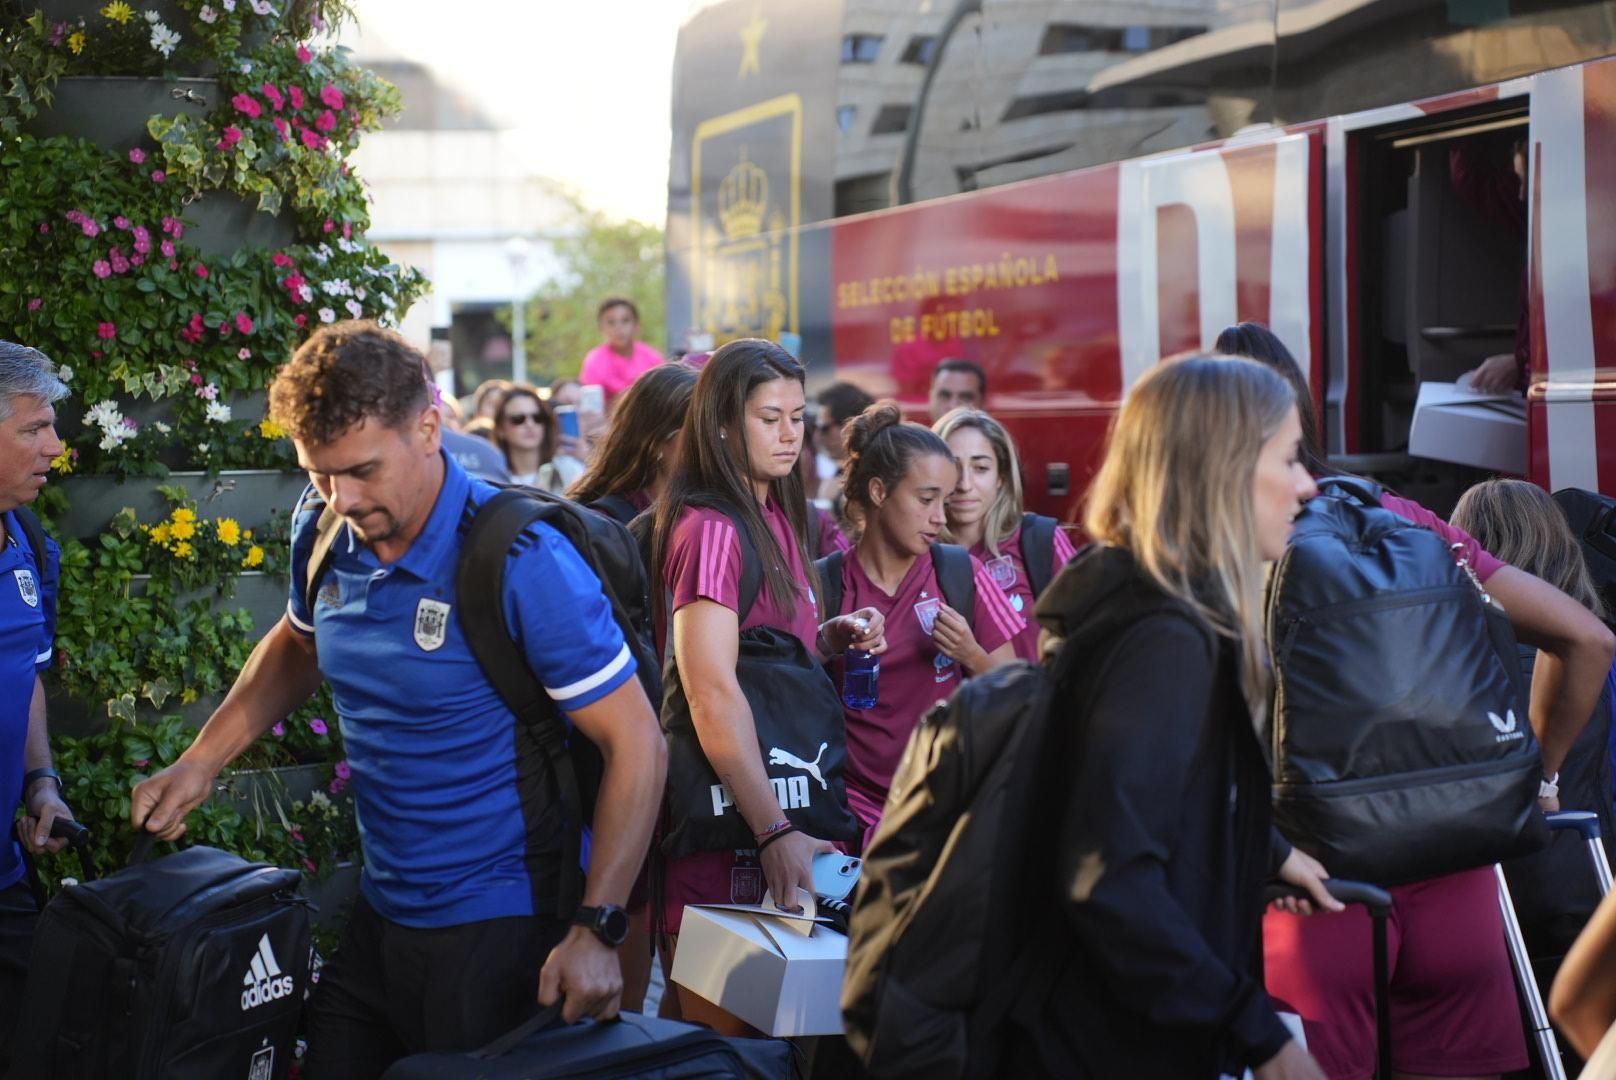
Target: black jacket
(1154,963)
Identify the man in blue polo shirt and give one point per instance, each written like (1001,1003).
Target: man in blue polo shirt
(459,820)
(28,388)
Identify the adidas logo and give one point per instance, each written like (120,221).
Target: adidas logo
(263,980)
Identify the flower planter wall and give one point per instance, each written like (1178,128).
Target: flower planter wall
(249,496)
(112,110)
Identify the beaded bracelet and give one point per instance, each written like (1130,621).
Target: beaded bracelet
(783,823)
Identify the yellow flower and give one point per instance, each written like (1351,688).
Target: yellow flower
(63,462)
(269,429)
(182,530)
(188,695)
(246,534)
(185,514)
(118,11)
(75,41)
(183,550)
(255,557)
(229,531)
(159,535)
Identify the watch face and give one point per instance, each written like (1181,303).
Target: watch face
(613,925)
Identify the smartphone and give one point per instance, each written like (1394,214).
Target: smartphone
(567,419)
(835,874)
(592,399)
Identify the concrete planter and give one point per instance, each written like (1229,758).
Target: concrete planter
(248,495)
(263,595)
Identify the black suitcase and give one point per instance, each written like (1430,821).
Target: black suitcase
(189,967)
(631,1046)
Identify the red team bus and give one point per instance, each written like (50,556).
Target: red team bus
(1064,191)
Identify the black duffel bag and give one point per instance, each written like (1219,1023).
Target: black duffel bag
(801,730)
(1402,749)
(638,1046)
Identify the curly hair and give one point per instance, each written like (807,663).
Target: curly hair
(346,373)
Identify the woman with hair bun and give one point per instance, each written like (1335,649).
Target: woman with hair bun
(899,477)
(1022,551)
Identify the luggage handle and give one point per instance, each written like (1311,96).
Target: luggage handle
(544,1019)
(1376,899)
(1585,822)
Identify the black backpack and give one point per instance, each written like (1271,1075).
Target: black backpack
(1592,517)
(1038,550)
(1402,749)
(615,507)
(610,551)
(800,729)
(189,967)
(952,564)
(952,923)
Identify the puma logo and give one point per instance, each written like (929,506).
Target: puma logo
(778,756)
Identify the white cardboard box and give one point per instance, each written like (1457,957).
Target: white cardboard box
(1485,430)
(763,969)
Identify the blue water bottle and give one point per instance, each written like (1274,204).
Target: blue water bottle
(861,676)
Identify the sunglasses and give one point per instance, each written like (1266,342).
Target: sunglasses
(524,418)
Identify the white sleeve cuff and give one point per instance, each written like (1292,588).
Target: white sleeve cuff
(564,694)
(298,624)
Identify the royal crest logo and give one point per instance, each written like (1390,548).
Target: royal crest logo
(27,586)
(330,594)
(927,611)
(431,624)
(1003,572)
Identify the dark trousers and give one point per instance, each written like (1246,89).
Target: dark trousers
(391,990)
(18,914)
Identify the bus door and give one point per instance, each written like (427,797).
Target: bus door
(1572,197)
(1214,237)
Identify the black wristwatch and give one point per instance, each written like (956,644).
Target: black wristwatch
(609,922)
(40,774)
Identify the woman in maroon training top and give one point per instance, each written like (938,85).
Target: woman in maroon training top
(899,476)
(739,449)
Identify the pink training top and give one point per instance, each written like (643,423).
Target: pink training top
(703,562)
(606,368)
(915,674)
(1482,561)
(1009,573)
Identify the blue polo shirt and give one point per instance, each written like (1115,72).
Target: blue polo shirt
(458,816)
(27,630)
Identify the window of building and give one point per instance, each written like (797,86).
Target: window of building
(1079,38)
(861,48)
(891,120)
(920,50)
(846,116)
(861,194)
(1040,104)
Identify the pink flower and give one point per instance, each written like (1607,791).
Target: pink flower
(331,96)
(297,836)
(279,730)
(173,264)
(232,135)
(326,121)
(347,230)
(44,226)
(34,304)
(142,763)
(243,323)
(244,354)
(273,96)
(167,248)
(308,864)
(247,104)
(169,225)
(317,726)
(201,271)
(101,269)
(343,770)
(329,225)
(138,156)
(281,259)
(107,330)
(296,94)
(193,330)
(142,239)
(121,221)
(196,380)
(137,259)
(282,129)
(120,265)
(313,140)
(301,321)
(158,176)
(337,786)
(304,57)
(91,229)
(224,329)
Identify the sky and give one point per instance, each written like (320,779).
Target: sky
(587,81)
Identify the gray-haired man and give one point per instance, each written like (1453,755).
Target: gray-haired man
(28,388)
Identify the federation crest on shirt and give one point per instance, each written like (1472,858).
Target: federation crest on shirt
(27,586)
(431,624)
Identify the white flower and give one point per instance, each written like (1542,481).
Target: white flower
(305,293)
(64,373)
(105,415)
(246,68)
(218,412)
(230,5)
(162,427)
(354,309)
(389,301)
(209,392)
(201,447)
(207,14)
(327,315)
(164,40)
(109,441)
(263,7)
(359,293)
(152,16)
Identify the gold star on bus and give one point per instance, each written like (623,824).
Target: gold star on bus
(751,43)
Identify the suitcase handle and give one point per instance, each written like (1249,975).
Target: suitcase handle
(542,1020)
(1585,822)
(1376,899)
